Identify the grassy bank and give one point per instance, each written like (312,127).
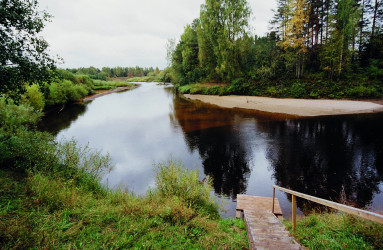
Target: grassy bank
(289,89)
(337,231)
(109,85)
(51,197)
(44,211)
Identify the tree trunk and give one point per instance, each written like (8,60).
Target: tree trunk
(317,23)
(374,18)
(327,20)
(361,29)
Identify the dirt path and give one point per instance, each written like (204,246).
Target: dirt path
(299,107)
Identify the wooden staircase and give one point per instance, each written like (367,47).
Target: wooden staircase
(264,229)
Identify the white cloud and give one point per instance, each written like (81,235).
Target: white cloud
(125,32)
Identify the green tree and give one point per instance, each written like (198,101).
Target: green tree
(23,54)
(223,22)
(336,53)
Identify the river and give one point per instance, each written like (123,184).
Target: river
(245,152)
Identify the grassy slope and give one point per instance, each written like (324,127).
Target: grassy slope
(45,211)
(337,231)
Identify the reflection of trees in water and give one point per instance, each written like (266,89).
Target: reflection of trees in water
(224,159)
(333,158)
(56,121)
(210,131)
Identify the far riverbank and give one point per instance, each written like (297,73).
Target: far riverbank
(120,89)
(299,107)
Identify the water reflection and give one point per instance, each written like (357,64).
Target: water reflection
(336,158)
(57,120)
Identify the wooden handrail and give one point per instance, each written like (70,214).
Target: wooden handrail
(341,207)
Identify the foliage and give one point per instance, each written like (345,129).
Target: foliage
(172,179)
(23,54)
(14,116)
(337,231)
(64,91)
(310,42)
(34,97)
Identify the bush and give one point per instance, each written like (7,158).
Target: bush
(172,179)
(34,97)
(274,91)
(13,116)
(363,92)
(298,90)
(65,91)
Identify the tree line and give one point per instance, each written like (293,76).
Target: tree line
(108,72)
(309,41)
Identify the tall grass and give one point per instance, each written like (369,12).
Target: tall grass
(51,197)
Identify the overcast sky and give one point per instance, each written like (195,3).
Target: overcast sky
(125,32)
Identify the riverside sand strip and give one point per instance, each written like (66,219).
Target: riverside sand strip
(299,107)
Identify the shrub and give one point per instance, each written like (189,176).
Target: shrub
(65,91)
(237,86)
(56,94)
(34,97)
(363,92)
(298,90)
(184,89)
(274,91)
(172,179)
(13,116)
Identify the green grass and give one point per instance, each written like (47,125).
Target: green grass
(108,85)
(44,211)
(337,231)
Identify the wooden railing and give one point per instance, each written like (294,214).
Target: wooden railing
(347,209)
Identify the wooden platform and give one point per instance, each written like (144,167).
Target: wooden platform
(264,229)
(249,202)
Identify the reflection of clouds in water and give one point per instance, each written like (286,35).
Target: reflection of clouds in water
(134,129)
(244,152)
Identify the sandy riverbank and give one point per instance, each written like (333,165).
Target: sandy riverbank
(299,107)
(120,89)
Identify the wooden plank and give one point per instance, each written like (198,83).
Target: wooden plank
(248,202)
(347,209)
(265,231)
(294,209)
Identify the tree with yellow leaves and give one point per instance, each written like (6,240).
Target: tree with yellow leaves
(294,40)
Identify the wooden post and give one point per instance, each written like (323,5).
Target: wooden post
(273,199)
(294,204)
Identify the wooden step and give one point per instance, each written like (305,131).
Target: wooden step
(264,229)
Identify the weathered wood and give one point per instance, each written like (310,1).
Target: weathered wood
(265,231)
(347,209)
(273,200)
(294,211)
(248,202)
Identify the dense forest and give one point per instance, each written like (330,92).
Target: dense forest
(315,48)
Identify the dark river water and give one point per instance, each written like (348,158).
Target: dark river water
(338,158)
